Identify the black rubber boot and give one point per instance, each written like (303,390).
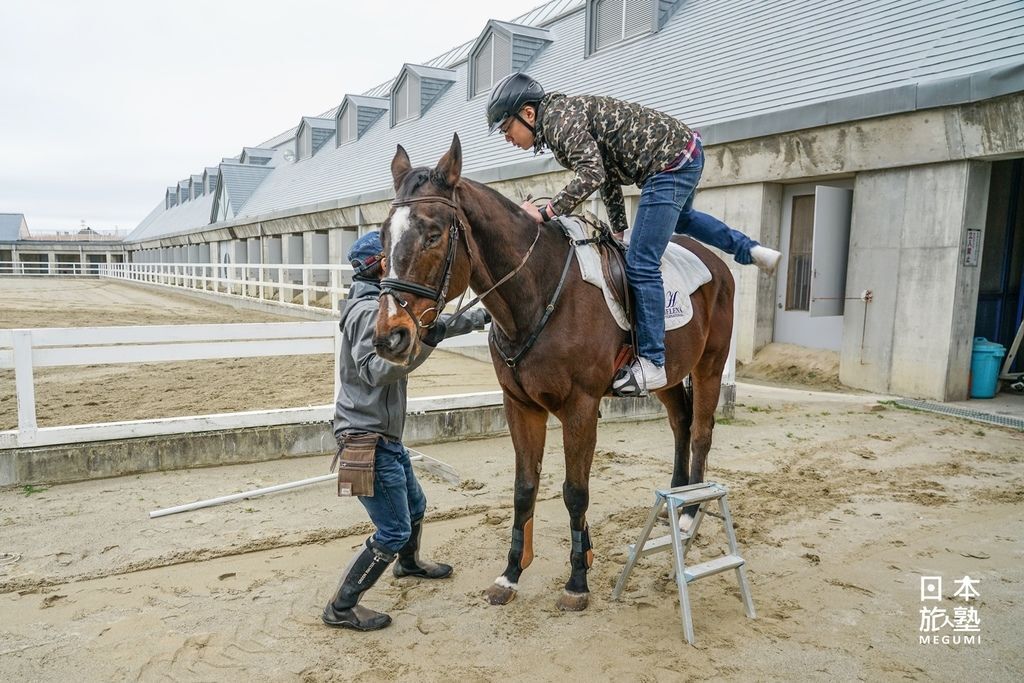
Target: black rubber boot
(409,562)
(344,611)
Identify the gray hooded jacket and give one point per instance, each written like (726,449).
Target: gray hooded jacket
(373,392)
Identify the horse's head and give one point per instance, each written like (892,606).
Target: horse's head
(421,238)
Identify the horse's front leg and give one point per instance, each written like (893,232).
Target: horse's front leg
(528,426)
(579,436)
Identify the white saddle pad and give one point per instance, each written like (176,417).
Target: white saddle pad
(681,271)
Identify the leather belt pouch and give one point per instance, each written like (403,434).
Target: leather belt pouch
(355,463)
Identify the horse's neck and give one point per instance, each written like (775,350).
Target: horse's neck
(502,237)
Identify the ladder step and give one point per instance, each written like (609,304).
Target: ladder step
(697,496)
(656,545)
(719,564)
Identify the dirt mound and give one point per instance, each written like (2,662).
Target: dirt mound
(793,365)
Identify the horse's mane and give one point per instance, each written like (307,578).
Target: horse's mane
(417,177)
(488,193)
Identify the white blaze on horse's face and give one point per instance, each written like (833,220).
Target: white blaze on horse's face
(401,223)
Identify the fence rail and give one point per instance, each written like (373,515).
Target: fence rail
(42,268)
(27,349)
(296,284)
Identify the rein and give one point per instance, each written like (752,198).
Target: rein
(392,286)
(389,286)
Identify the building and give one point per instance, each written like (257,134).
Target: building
(878,144)
(65,253)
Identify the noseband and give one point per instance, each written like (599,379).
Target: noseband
(391,286)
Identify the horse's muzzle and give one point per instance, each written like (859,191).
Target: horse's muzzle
(395,345)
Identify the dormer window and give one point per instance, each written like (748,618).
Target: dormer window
(210,180)
(312,134)
(171,197)
(416,89)
(501,49)
(256,156)
(404,98)
(356,114)
(613,21)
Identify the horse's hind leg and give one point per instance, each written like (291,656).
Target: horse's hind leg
(678,402)
(707,387)
(579,436)
(528,426)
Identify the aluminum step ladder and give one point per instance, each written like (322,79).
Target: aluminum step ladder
(679,542)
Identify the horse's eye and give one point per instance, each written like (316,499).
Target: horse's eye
(432,240)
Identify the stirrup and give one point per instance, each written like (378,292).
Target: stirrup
(631,388)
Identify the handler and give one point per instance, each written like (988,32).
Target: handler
(371,404)
(608,143)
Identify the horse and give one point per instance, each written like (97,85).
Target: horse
(445,233)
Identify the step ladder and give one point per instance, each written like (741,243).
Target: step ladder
(679,542)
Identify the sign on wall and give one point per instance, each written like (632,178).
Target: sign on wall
(972,247)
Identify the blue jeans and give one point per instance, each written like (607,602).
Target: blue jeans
(666,207)
(397,497)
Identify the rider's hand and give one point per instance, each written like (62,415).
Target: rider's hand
(532,210)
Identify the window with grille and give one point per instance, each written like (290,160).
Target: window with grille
(493,61)
(801,246)
(404,107)
(612,21)
(346,126)
(305,144)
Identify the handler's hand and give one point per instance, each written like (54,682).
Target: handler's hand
(534,212)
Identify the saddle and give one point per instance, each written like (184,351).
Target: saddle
(612,254)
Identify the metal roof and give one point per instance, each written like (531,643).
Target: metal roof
(239,181)
(176,219)
(733,68)
(13,227)
(317,122)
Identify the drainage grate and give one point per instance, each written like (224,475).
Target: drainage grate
(976,415)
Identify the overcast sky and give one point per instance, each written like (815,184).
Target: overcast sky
(103,104)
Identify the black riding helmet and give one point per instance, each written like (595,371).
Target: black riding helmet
(511,94)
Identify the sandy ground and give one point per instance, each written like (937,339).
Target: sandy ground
(841,505)
(791,365)
(107,393)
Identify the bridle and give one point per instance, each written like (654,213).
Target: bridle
(391,286)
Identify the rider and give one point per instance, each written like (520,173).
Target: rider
(608,143)
(372,398)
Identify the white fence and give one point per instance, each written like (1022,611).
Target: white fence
(279,283)
(43,268)
(27,349)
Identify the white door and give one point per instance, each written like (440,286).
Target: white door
(812,274)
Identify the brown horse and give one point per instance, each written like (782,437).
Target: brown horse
(445,233)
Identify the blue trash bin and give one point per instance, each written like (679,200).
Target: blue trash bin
(986,359)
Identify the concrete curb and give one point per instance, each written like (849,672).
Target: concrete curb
(96,460)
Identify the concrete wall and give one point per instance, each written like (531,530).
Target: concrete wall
(755,209)
(95,460)
(906,242)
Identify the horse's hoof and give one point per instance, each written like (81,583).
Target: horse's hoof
(498,594)
(573,602)
(685,523)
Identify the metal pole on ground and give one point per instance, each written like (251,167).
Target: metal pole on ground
(432,465)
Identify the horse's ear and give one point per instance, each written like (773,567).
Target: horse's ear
(400,166)
(449,168)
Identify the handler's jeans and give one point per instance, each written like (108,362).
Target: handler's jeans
(666,206)
(397,496)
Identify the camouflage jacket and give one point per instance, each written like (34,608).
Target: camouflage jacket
(607,143)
